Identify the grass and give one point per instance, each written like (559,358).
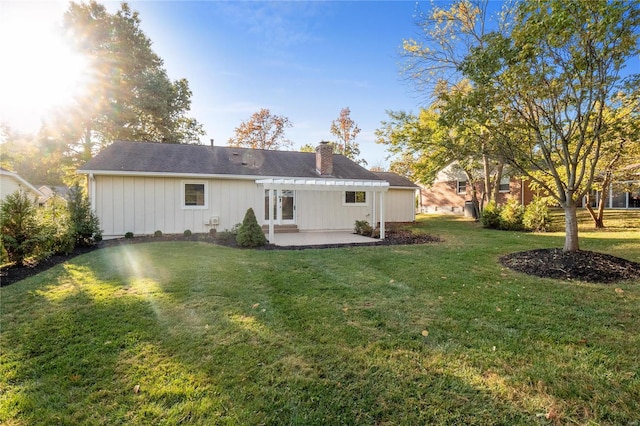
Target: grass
(188,332)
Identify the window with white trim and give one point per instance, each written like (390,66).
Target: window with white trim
(505,184)
(194,195)
(355,197)
(461,187)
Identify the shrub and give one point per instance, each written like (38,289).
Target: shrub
(537,216)
(250,234)
(362,227)
(128,234)
(19,226)
(213,232)
(158,233)
(187,233)
(4,256)
(511,216)
(490,217)
(84,222)
(56,232)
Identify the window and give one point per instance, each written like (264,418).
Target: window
(461,187)
(355,197)
(504,184)
(194,195)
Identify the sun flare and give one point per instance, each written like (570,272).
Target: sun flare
(40,72)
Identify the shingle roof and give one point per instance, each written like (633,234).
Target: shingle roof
(150,157)
(395,180)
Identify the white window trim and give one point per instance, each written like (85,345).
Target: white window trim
(458,182)
(206,194)
(356,204)
(505,181)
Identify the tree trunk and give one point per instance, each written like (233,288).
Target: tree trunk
(571,226)
(596,217)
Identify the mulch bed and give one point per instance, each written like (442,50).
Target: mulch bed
(580,265)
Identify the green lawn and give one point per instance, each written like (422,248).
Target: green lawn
(188,332)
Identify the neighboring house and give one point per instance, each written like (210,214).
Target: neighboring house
(450,193)
(51,192)
(142,187)
(10,182)
(623,193)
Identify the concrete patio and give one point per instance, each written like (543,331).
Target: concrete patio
(320,239)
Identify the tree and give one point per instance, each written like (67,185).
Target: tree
(250,234)
(37,158)
(447,36)
(433,63)
(346,130)
(553,77)
(262,131)
(427,146)
(127,94)
(620,151)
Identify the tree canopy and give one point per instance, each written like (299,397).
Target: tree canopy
(128,94)
(346,130)
(541,86)
(263,130)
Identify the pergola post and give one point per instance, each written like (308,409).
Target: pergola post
(381,215)
(271,224)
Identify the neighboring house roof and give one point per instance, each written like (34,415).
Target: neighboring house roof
(48,192)
(19,181)
(395,180)
(156,158)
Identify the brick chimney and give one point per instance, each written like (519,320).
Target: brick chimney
(324,159)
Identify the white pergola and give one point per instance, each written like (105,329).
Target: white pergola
(310,184)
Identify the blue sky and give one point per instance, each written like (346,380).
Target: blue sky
(305,60)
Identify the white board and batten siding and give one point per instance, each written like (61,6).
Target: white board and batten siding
(400,205)
(326,210)
(143,205)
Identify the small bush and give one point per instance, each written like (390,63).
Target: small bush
(128,235)
(157,234)
(19,226)
(511,216)
(362,227)
(490,217)
(187,233)
(213,232)
(250,234)
(537,217)
(84,222)
(55,226)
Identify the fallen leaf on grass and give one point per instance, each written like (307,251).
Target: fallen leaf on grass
(136,389)
(255,305)
(619,290)
(425,333)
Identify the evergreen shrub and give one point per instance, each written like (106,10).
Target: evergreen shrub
(250,234)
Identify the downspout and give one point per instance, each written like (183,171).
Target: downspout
(92,191)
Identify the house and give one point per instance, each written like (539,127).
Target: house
(401,197)
(11,182)
(50,193)
(142,187)
(450,193)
